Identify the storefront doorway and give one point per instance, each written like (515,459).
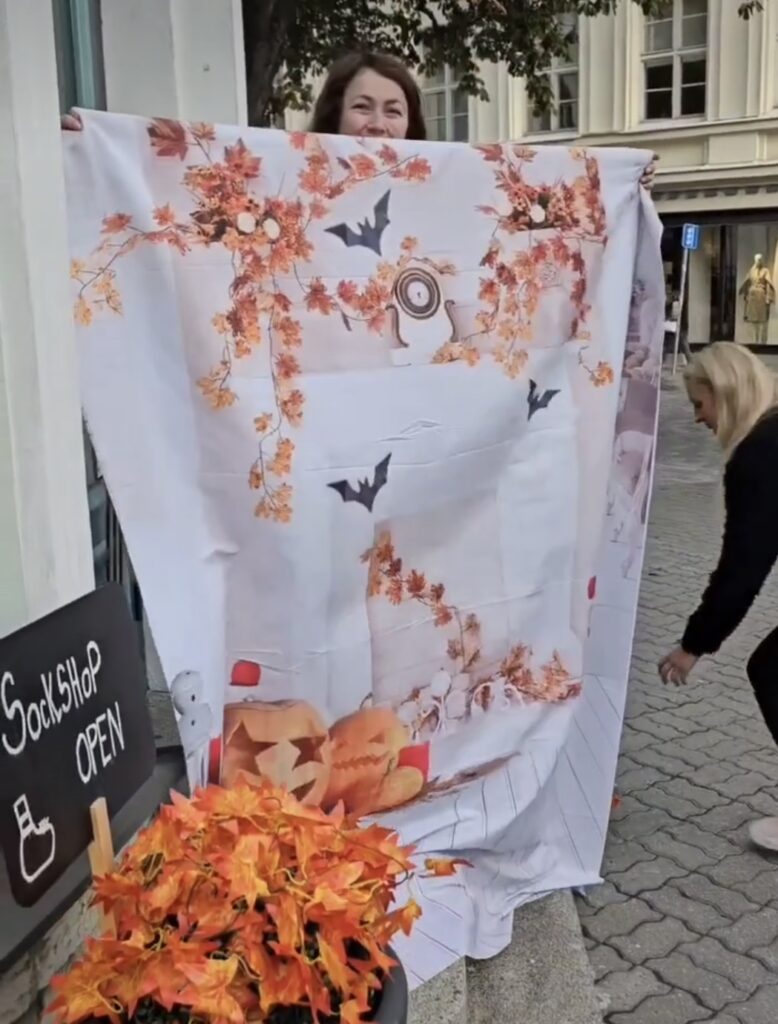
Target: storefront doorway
(726,299)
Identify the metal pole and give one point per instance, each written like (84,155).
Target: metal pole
(681,298)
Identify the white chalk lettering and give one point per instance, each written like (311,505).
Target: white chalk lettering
(99,743)
(31,718)
(75,682)
(64,690)
(94,661)
(11,711)
(83,762)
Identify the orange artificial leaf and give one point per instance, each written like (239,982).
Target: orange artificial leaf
(208,992)
(334,962)
(444,867)
(168,137)
(79,996)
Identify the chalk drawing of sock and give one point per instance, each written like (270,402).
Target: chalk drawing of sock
(194,723)
(37,841)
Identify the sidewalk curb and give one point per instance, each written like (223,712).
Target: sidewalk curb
(543,977)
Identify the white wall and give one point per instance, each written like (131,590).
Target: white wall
(175,58)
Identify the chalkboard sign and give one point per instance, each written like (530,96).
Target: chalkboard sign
(74,726)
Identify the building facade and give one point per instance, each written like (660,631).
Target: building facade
(698,85)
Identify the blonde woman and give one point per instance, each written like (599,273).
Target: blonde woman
(735,395)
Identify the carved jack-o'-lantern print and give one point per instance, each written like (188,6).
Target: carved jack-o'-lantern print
(284,741)
(422,317)
(368,773)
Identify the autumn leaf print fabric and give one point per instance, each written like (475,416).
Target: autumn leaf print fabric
(378,424)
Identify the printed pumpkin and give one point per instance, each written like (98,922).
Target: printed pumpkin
(368,773)
(285,742)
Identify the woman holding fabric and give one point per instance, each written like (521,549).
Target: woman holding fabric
(736,396)
(373,95)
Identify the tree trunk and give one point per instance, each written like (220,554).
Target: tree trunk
(265,25)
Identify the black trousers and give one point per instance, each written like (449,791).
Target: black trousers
(763,674)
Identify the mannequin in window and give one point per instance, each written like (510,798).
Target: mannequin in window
(759,295)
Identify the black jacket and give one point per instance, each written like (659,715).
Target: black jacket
(750,546)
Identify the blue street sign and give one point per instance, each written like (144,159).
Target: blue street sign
(691,236)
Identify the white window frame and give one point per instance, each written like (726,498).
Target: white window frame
(447,88)
(560,66)
(676,56)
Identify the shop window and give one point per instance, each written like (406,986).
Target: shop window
(562,115)
(675,61)
(78,43)
(446,107)
(732,279)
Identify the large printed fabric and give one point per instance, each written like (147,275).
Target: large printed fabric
(378,422)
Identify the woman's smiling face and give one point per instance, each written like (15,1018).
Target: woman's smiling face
(374,106)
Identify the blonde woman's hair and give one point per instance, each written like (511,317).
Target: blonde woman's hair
(744,389)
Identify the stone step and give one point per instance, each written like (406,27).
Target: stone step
(543,977)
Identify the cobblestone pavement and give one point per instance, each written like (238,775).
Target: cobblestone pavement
(685,927)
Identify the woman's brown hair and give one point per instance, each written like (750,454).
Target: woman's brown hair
(329,105)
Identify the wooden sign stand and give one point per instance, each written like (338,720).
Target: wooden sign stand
(101,852)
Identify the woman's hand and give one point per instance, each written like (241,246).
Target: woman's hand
(71,122)
(676,666)
(648,177)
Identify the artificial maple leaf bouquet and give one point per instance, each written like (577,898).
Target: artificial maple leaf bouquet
(242,905)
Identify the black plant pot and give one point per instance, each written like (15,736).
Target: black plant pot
(393,1008)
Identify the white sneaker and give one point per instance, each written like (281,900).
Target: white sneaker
(764,833)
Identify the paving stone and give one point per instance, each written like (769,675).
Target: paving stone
(597,897)
(744,972)
(690,832)
(728,818)
(707,799)
(605,960)
(729,902)
(638,778)
(625,990)
(768,955)
(651,874)
(708,775)
(762,890)
(761,1008)
(675,1008)
(641,821)
(618,919)
(762,804)
(698,917)
(652,940)
(744,867)
(750,931)
(622,854)
(676,806)
(680,972)
(739,786)
(690,857)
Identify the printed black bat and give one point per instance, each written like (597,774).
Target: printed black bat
(365,492)
(537,401)
(366,234)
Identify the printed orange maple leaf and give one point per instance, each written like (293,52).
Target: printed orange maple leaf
(569,214)
(444,867)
